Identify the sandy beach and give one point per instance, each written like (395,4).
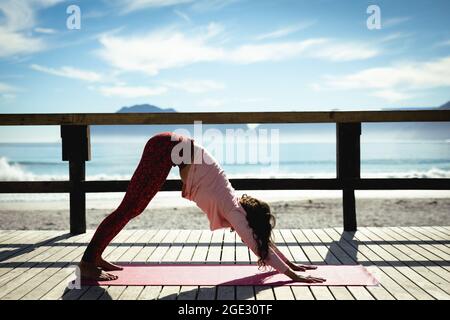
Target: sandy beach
(308,212)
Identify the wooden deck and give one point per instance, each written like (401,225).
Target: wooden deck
(410,262)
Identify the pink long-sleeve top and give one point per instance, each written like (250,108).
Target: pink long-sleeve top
(207,185)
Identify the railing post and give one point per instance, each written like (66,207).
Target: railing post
(348,162)
(76,149)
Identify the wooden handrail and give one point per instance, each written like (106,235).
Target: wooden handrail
(223,117)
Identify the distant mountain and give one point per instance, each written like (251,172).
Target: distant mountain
(393,130)
(143,108)
(445,106)
(149,130)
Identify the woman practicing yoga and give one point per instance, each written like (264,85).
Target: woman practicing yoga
(205,183)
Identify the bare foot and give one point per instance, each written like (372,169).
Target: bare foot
(90,271)
(107,266)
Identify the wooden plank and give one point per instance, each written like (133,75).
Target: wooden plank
(445,230)
(440,241)
(215,247)
(39,275)
(185,255)
(8,235)
(361,293)
(302,293)
(409,257)
(131,293)
(290,248)
(150,293)
(172,254)
(222,117)
(188,293)
(188,249)
(418,254)
(228,256)
(341,293)
(294,248)
(112,253)
(228,249)
(167,292)
(344,293)
(199,256)
(56,286)
(312,255)
(206,293)
(150,246)
(311,244)
(264,293)
(163,247)
(394,272)
(361,254)
(141,237)
(242,257)
(416,246)
(20,259)
(201,250)
(245,293)
(432,248)
(125,240)
(283,293)
(21,247)
(432,232)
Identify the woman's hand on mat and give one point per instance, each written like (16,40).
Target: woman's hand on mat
(298,278)
(310,279)
(302,267)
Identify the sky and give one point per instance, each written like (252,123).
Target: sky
(220,55)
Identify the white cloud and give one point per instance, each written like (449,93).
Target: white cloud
(124,91)
(444,43)
(391,95)
(211,5)
(45,30)
(134,5)
(156,51)
(18,19)
(128,6)
(13,43)
(211,103)
(397,82)
(271,51)
(196,86)
(183,16)
(70,72)
(7,89)
(282,32)
(346,51)
(391,22)
(166,49)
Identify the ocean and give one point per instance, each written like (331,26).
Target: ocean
(118,159)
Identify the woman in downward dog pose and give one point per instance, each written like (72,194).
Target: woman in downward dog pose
(205,183)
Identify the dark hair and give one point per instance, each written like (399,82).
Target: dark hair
(262,222)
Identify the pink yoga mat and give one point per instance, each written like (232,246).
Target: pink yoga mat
(213,275)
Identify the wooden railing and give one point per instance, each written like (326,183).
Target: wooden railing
(76,149)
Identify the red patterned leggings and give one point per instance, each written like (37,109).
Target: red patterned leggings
(147,180)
